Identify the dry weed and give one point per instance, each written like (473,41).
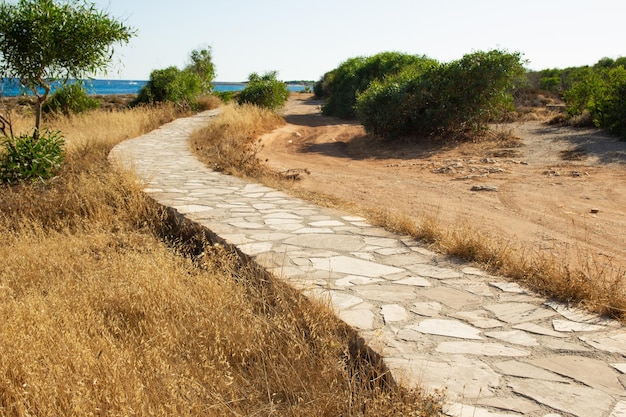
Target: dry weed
(101,317)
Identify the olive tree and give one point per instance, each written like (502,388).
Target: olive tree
(42,41)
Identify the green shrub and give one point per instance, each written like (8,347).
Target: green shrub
(601,93)
(70,99)
(342,85)
(461,95)
(171,85)
(31,157)
(264,91)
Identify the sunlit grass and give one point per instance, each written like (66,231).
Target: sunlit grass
(103,315)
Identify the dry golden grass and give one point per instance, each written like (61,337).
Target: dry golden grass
(101,317)
(596,285)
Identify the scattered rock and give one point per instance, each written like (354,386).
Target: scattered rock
(595,210)
(484,188)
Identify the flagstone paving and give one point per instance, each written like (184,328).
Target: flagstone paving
(496,348)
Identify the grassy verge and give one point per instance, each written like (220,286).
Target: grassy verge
(595,285)
(103,317)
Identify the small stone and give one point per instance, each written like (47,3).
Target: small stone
(491,188)
(595,210)
(393,313)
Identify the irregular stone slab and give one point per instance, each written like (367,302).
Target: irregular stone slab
(246,225)
(526,370)
(478,348)
(313,231)
(430,271)
(514,404)
(614,342)
(353,266)
(579,315)
(283,215)
(347,243)
(414,282)
(352,280)
(326,223)
(428,309)
(619,410)
(473,271)
(572,326)
(464,410)
(561,345)
(515,313)
(575,399)
(256,248)
(341,301)
(394,313)
(510,287)
(385,293)
(516,337)
(464,377)
(451,297)
(536,329)
(478,318)
(360,319)
(592,372)
(620,367)
(192,208)
(476,288)
(394,251)
(445,327)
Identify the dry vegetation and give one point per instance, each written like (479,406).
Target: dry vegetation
(103,315)
(586,280)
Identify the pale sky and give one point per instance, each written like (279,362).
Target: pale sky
(302,40)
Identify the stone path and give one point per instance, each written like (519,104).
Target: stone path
(497,349)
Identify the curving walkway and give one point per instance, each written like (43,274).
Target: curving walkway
(498,349)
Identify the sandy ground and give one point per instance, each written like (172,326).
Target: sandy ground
(556,189)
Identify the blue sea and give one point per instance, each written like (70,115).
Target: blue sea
(111,87)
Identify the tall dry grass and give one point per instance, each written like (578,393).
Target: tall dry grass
(102,317)
(592,283)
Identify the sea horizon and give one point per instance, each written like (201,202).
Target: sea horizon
(124,87)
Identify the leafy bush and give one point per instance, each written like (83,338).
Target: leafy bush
(70,99)
(31,157)
(341,86)
(601,93)
(173,85)
(460,95)
(182,87)
(264,91)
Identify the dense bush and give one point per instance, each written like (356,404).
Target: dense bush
(182,87)
(70,99)
(460,95)
(341,86)
(173,85)
(264,91)
(601,93)
(31,157)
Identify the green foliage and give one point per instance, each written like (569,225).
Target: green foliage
(31,157)
(342,85)
(173,85)
(264,91)
(45,40)
(202,65)
(461,95)
(602,93)
(70,99)
(182,87)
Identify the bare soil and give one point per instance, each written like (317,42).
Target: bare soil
(540,188)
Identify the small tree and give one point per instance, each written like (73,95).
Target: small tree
(265,91)
(202,65)
(44,40)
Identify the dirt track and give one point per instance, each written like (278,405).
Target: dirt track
(558,189)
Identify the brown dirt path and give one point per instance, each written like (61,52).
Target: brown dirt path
(559,189)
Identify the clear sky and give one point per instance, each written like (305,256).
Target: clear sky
(302,40)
